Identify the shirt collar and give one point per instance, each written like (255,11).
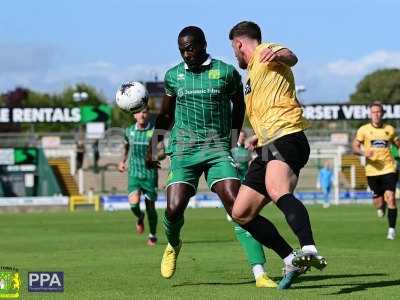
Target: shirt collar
(207,62)
(146,128)
(256,53)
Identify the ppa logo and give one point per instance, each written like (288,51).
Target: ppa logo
(46,281)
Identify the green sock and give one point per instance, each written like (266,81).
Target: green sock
(172,230)
(152,218)
(135,208)
(253,249)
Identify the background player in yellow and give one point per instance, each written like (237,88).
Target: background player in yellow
(281,144)
(376,138)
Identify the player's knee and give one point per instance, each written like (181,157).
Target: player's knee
(275,192)
(134,198)
(173,213)
(391,202)
(240,217)
(390,199)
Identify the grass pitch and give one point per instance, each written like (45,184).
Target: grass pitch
(103,258)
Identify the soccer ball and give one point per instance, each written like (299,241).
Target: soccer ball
(132,96)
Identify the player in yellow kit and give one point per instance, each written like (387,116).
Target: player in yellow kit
(380,168)
(281,145)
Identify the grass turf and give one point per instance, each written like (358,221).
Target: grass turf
(103,258)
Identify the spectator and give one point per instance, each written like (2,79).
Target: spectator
(80,153)
(96,156)
(325,178)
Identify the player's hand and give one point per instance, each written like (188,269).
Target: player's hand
(251,143)
(369,153)
(267,56)
(122,166)
(151,163)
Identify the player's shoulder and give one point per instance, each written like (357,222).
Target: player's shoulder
(225,70)
(387,126)
(366,126)
(150,127)
(129,131)
(222,65)
(130,128)
(171,72)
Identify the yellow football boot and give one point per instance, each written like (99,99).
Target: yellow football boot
(265,282)
(168,262)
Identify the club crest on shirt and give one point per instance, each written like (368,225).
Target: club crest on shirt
(149,133)
(247,88)
(213,74)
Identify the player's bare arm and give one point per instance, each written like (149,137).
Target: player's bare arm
(122,164)
(161,151)
(165,118)
(284,56)
(252,143)
(358,151)
(238,109)
(164,121)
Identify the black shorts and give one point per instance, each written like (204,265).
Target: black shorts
(381,183)
(292,149)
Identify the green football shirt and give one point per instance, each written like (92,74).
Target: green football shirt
(138,140)
(203,107)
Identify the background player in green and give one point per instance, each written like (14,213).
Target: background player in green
(241,155)
(199,93)
(141,180)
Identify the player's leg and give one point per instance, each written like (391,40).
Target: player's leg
(390,199)
(152,219)
(149,188)
(181,186)
(246,208)
(252,197)
(326,192)
(280,182)
(134,194)
(227,191)
(178,196)
(223,179)
(375,184)
(290,154)
(380,205)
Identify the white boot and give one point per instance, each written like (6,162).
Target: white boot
(391,233)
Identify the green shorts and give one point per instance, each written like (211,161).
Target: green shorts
(188,169)
(147,186)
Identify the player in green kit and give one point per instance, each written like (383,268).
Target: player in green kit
(141,180)
(199,94)
(241,155)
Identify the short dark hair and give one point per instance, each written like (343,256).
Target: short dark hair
(246,28)
(376,103)
(195,32)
